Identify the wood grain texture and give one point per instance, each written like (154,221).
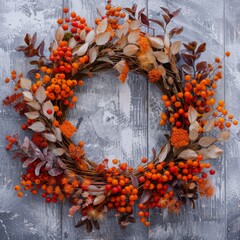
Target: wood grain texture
(121,121)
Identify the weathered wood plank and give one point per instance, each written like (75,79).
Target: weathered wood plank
(203,22)
(232,93)
(114,125)
(28,218)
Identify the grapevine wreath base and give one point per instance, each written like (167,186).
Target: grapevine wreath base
(59,169)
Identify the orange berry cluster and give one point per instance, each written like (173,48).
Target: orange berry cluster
(75,23)
(199,92)
(11,142)
(14,78)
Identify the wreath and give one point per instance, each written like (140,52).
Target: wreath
(59,169)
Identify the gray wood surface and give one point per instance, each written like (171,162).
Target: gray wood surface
(121,121)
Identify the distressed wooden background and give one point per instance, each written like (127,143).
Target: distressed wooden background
(121,121)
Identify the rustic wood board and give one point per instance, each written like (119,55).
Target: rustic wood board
(121,121)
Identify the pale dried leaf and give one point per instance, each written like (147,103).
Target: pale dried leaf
(188,154)
(123,41)
(206,141)
(133,36)
(35,105)
(90,37)
(130,50)
(194,126)
(59,34)
(164,153)
(25,83)
(175,47)
(46,107)
(161,57)
(32,115)
(37,127)
(83,35)
(192,185)
(166,40)
(224,136)
(145,196)
(192,114)
(27,96)
(102,26)
(58,134)
(193,134)
(83,49)
(40,94)
(93,53)
(58,151)
(99,199)
(134,24)
(134,180)
(50,137)
(120,65)
(156,42)
(204,153)
(209,125)
(214,151)
(102,38)
(123,29)
(72,42)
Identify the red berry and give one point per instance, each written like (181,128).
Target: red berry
(115,190)
(48,200)
(24,127)
(204,175)
(49,111)
(108,187)
(44,195)
(141,179)
(212,172)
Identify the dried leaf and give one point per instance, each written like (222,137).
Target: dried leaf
(166,40)
(58,151)
(201,48)
(214,151)
(123,30)
(134,25)
(40,94)
(160,23)
(93,53)
(144,19)
(156,42)
(102,38)
(83,35)
(202,66)
(38,167)
(32,115)
(72,42)
(130,50)
(59,34)
(83,49)
(27,96)
(161,57)
(134,180)
(102,26)
(50,137)
(188,154)
(206,141)
(90,37)
(193,135)
(145,196)
(55,172)
(99,199)
(164,153)
(133,36)
(48,109)
(192,114)
(223,136)
(37,127)
(25,83)
(58,134)
(175,47)
(35,105)
(209,125)
(28,161)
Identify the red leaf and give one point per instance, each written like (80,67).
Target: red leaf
(165,10)
(166,18)
(144,19)
(34,38)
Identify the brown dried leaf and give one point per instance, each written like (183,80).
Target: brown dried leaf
(188,154)
(102,26)
(192,114)
(99,199)
(161,57)
(156,42)
(102,38)
(206,141)
(175,47)
(130,50)
(133,36)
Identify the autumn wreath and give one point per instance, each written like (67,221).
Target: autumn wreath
(60,169)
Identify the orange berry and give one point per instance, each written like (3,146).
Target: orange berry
(188,78)
(227,53)
(20,194)
(65,10)
(235,122)
(115,161)
(17,188)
